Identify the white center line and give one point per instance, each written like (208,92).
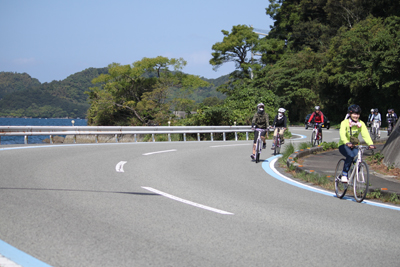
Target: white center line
(187,201)
(231,145)
(157,152)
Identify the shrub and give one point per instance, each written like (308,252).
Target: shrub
(305,145)
(330,145)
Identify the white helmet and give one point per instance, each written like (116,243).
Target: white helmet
(281,110)
(372,110)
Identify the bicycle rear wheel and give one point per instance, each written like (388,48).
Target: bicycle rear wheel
(319,141)
(361,182)
(258,149)
(340,188)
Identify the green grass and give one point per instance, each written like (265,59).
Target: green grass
(315,178)
(287,151)
(305,145)
(330,145)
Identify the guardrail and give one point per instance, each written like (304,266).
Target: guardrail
(121,130)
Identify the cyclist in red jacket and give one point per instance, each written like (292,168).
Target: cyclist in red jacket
(318,118)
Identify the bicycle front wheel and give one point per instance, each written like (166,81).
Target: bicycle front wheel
(340,188)
(373,133)
(277,145)
(361,182)
(258,150)
(313,141)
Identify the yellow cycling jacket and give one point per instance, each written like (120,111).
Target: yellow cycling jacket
(355,131)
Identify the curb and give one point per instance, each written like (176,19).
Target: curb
(291,162)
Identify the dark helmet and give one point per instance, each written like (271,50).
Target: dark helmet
(354,109)
(376,110)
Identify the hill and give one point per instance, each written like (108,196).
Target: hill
(11,82)
(24,96)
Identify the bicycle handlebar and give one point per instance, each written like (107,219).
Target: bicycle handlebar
(260,130)
(363,147)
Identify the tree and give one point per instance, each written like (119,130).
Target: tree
(294,80)
(272,50)
(364,61)
(137,94)
(235,48)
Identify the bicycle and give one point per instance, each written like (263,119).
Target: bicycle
(369,125)
(277,141)
(259,144)
(316,136)
(390,126)
(358,176)
(374,130)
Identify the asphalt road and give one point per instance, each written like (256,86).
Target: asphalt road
(180,204)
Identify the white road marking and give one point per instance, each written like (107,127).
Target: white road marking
(187,201)
(231,145)
(157,152)
(120,166)
(7,263)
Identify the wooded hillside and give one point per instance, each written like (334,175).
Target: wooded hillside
(24,96)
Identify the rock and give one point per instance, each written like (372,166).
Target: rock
(391,149)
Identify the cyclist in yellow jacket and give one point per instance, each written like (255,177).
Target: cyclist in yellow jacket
(350,129)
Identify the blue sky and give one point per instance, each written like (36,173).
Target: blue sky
(52,39)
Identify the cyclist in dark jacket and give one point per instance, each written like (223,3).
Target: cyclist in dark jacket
(280,123)
(260,120)
(391,118)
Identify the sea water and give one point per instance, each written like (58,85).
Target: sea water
(35,139)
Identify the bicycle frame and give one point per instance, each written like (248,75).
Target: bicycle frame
(356,164)
(316,129)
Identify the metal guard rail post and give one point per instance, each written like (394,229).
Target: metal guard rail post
(121,130)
